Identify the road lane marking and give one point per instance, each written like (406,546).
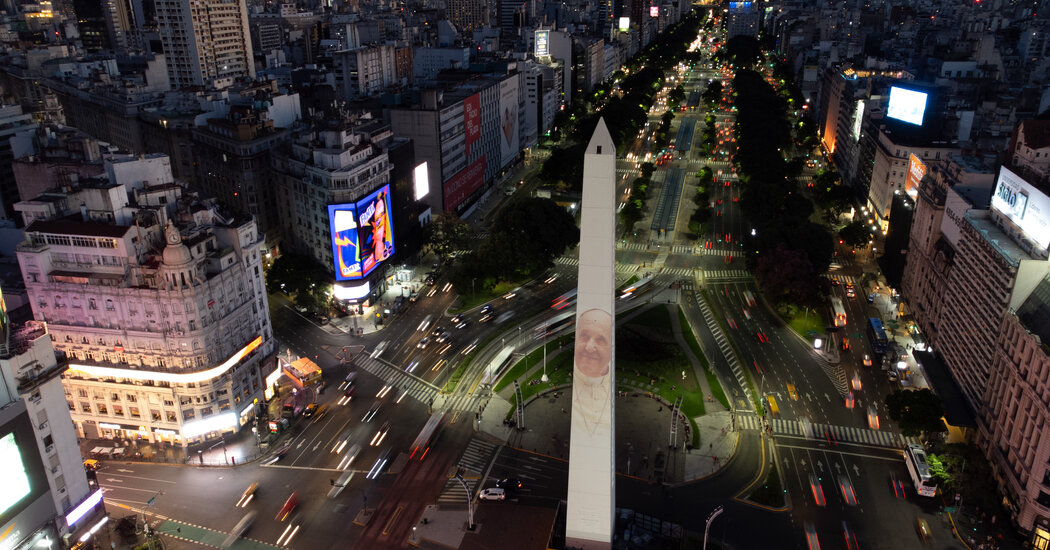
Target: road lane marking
(145,478)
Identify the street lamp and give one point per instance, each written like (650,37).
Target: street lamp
(472,290)
(544,377)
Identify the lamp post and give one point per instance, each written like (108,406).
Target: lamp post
(544,377)
(472,290)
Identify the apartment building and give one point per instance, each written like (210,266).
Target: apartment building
(157,299)
(206,42)
(51,502)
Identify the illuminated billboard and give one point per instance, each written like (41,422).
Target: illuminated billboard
(916,170)
(543,43)
(907,105)
(375,230)
(1024,205)
(342,221)
(421,181)
(508,116)
(858,119)
(23,472)
(654,11)
(625,24)
(471,120)
(463,184)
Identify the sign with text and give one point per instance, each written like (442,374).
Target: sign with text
(1024,205)
(543,43)
(916,170)
(471,120)
(463,184)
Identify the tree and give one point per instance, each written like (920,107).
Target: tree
(855,233)
(302,278)
(787,276)
(916,412)
(446,233)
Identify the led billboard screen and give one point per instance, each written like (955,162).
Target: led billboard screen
(858,119)
(654,11)
(24,480)
(916,170)
(1024,205)
(421,179)
(342,221)
(543,43)
(375,230)
(625,24)
(907,105)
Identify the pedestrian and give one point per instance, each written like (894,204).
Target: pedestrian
(425,521)
(661,409)
(563,410)
(710,446)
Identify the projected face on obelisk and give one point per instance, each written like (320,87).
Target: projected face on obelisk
(591,380)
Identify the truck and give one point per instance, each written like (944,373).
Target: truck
(303,371)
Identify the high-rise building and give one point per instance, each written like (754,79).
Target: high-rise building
(17,131)
(157,299)
(467,15)
(206,42)
(48,501)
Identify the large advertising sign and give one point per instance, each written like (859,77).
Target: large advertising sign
(543,43)
(508,119)
(858,119)
(916,170)
(362,235)
(907,105)
(654,11)
(625,24)
(1024,205)
(461,185)
(591,503)
(24,478)
(375,229)
(471,120)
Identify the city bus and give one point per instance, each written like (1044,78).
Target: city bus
(839,312)
(555,324)
(565,300)
(636,289)
(749,298)
(774,411)
(427,436)
(877,336)
(496,366)
(919,469)
(303,371)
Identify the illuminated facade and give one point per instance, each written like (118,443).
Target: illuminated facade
(158,301)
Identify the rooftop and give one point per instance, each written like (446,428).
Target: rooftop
(1001,242)
(87,229)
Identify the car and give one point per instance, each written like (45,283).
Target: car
(834,281)
(442,338)
(845,344)
(371,413)
(430,280)
(849,496)
(873,417)
(438,331)
(413,297)
(866,360)
(855,383)
(248,495)
(850,537)
(462,324)
(289,507)
(422,344)
(510,483)
(898,487)
(871,298)
(792,391)
(311,409)
(818,491)
(850,401)
(349,392)
(892,375)
(486,308)
(812,541)
(380,435)
(342,441)
(829,436)
(457,320)
(485,318)
(762,337)
(493,493)
(242,527)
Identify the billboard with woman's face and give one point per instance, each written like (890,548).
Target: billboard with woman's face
(362,235)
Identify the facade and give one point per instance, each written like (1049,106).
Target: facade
(34,420)
(366,71)
(158,301)
(16,140)
(467,15)
(206,42)
(232,156)
(1014,419)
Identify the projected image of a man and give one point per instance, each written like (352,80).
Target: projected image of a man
(591,378)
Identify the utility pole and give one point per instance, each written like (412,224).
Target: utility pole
(470,501)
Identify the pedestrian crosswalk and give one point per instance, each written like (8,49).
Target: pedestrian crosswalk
(574,262)
(474,461)
(417,388)
(846,279)
(842,434)
(725,274)
(687,249)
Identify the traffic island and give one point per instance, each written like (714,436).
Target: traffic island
(364,516)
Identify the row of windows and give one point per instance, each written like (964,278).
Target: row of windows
(66,240)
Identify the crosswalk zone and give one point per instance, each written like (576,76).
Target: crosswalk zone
(844,434)
(474,461)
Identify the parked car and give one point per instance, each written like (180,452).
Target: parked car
(493,493)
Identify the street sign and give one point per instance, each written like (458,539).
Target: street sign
(150,501)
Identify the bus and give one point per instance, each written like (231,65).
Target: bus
(555,324)
(303,371)
(877,336)
(565,300)
(749,298)
(427,436)
(839,311)
(919,470)
(636,289)
(774,411)
(496,366)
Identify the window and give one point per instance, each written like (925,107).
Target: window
(154,415)
(118,410)
(169,403)
(114,397)
(82,393)
(92,304)
(187,414)
(171,416)
(102,408)
(109,305)
(134,411)
(48,440)
(72,407)
(86,407)
(130,398)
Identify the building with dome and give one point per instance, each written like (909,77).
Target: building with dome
(156,298)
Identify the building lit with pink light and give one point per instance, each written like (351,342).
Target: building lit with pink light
(157,299)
